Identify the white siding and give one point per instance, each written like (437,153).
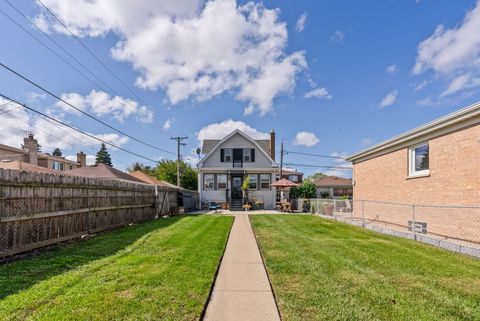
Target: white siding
(237,141)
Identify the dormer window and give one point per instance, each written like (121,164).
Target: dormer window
(228,155)
(247,155)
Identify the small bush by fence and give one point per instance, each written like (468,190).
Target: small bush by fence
(41,209)
(455,228)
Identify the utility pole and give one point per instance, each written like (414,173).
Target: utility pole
(281,160)
(179,143)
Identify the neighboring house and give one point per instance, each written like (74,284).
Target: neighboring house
(437,163)
(31,155)
(228,162)
(103,171)
(151,180)
(333,187)
(291,175)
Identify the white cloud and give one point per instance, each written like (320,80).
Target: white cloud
(366,141)
(191,160)
(168,124)
(453,53)
(190,49)
(49,135)
(428,101)
(422,85)
(319,93)
(389,99)
(220,130)
(300,25)
(306,139)
(34,96)
(337,36)
(342,168)
(103,104)
(461,82)
(392,69)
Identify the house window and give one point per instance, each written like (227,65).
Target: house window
(293,178)
(253,181)
(228,155)
(57,166)
(208,181)
(265,181)
(419,159)
(221,181)
(247,156)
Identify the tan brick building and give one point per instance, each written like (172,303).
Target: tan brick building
(434,164)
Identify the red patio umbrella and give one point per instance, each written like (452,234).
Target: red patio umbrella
(285,183)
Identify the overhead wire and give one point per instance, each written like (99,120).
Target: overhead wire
(76,129)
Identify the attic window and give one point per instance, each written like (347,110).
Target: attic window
(247,155)
(228,155)
(419,160)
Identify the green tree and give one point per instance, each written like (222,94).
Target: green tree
(140,167)
(306,190)
(103,156)
(315,176)
(57,152)
(166,170)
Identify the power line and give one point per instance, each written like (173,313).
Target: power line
(319,166)
(82,111)
(316,155)
(61,138)
(93,54)
(115,93)
(76,129)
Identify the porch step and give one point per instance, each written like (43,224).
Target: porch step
(236,205)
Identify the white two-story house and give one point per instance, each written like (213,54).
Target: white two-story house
(229,161)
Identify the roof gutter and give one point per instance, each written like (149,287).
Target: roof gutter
(466,116)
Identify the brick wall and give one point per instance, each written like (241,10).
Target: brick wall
(454,173)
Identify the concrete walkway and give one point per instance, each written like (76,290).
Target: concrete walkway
(242,290)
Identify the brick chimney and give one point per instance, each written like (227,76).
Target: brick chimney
(30,144)
(82,159)
(272,144)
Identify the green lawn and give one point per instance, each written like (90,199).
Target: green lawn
(160,270)
(324,270)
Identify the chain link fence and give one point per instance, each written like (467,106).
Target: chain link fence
(456,228)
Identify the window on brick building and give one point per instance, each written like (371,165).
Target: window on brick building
(419,159)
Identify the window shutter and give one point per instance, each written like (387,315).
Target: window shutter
(252,156)
(222,155)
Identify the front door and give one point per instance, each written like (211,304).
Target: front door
(237,182)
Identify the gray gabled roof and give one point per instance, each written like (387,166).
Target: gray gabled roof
(209,144)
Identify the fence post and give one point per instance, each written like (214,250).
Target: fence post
(157,207)
(414,227)
(363,213)
(335,209)
(89,211)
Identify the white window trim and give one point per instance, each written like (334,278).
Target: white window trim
(269,182)
(411,161)
(226,181)
(231,155)
(204,181)
(256,181)
(247,151)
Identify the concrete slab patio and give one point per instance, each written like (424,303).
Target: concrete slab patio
(242,290)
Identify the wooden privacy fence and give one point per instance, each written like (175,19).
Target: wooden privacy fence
(39,209)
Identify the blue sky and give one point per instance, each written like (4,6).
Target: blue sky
(331,77)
